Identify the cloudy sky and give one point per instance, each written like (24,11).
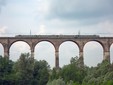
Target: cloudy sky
(57,17)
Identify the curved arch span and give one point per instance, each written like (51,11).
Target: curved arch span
(19,41)
(45,41)
(97,42)
(71,41)
(17,48)
(45,50)
(93,53)
(67,50)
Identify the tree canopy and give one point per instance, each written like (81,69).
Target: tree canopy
(28,71)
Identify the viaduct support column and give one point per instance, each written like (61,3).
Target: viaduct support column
(57,59)
(106,51)
(6,51)
(107,56)
(81,57)
(32,52)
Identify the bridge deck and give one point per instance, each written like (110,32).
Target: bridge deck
(56,37)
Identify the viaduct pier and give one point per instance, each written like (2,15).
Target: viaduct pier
(57,40)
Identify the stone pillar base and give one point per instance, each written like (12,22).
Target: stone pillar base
(81,59)
(56,59)
(6,54)
(107,56)
(32,54)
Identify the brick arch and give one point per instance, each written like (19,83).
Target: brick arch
(67,53)
(12,46)
(110,45)
(95,41)
(96,55)
(27,42)
(71,41)
(49,45)
(56,40)
(52,43)
(2,45)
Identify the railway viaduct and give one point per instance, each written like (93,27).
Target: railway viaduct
(57,40)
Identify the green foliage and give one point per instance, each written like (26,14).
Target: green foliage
(54,74)
(100,75)
(27,71)
(73,72)
(23,69)
(5,71)
(56,82)
(60,81)
(109,82)
(74,60)
(5,66)
(41,72)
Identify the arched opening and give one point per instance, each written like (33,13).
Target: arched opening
(45,51)
(1,50)
(67,50)
(17,48)
(111,53)
(93,53)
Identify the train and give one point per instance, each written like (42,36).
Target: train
(57,36)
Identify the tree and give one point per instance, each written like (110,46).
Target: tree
(56,82)
(5,71)
(73,72)
(23,69)
(54,74)
(99,75)
(41,72)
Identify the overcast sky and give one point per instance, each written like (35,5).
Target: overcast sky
(57,17)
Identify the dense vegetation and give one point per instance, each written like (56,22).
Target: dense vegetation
(28,71)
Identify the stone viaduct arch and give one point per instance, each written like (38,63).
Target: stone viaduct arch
(57,40)
(47,55)
(93,50)
(68,48)
(20,47)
